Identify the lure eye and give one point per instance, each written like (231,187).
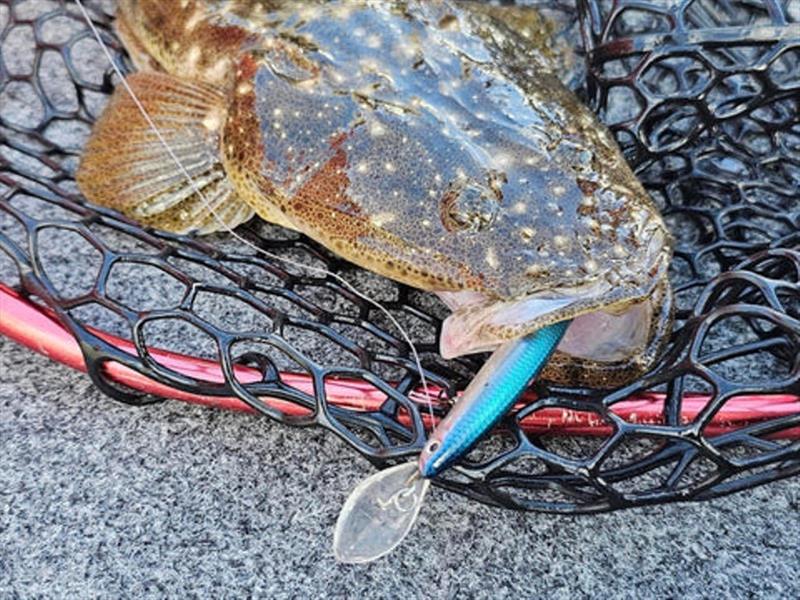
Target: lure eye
(432,447)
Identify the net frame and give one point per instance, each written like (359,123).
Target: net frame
(685,431)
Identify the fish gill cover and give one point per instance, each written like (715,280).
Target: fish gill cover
(703,97)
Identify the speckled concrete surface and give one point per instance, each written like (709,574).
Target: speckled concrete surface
(100,499)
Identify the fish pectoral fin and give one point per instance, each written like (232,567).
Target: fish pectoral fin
(165,173)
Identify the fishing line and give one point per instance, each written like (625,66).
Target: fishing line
(246,242)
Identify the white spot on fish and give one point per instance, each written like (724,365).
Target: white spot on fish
(193,56)
(491,258)
(501,160)
(536,271)
(376,129)
(561,242)
(213,121)
(193,20)
(381,219)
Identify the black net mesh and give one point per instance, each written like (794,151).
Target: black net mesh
(703,97)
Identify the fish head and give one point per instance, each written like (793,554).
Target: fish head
(514,232)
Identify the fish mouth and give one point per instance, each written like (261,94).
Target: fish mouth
(618,318)
(604,326)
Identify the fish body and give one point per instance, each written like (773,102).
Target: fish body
(425,141)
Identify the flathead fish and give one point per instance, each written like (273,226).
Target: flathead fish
(428,141)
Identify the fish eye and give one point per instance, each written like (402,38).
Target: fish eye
(470,207)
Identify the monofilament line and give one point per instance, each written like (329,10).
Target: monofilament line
(225,227)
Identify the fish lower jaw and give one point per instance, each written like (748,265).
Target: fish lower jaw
(611,332)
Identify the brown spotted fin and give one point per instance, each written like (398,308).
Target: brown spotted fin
(126,165)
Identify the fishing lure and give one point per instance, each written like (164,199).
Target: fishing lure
(381,510)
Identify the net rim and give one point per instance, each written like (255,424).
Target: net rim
(37,328)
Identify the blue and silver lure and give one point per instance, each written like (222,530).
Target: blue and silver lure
(382,509)
(495,389)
